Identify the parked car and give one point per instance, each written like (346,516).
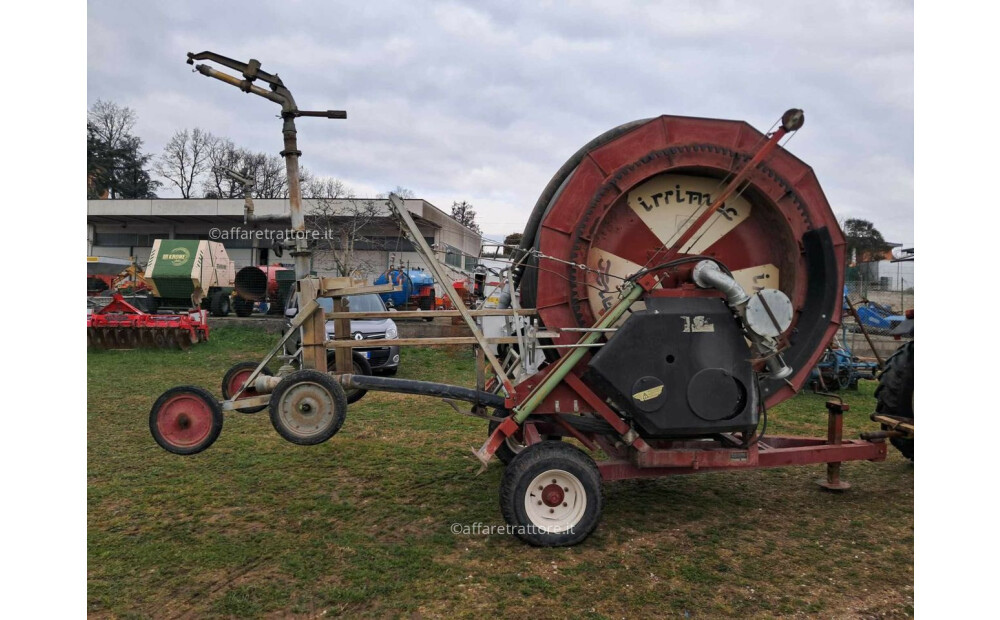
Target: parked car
(384,358)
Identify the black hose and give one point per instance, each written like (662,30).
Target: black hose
(679,261)
(420,388)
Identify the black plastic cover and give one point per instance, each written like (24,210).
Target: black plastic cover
(679,368)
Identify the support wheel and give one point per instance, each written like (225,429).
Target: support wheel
(894,394)
(185,420)
(308,407)
(235,378)
(513,445)
(551,495)
(243,307)
(220,304)
(361,367)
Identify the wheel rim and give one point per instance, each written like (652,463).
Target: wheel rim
(184,421)
(306,409)
(237,381)
(555,501)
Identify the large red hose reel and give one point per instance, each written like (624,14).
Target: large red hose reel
(629,194)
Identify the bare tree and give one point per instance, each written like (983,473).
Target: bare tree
(116,165)
(347,225)
(403,192)
(111,123)
(269,174)
(224,155)
(185,158)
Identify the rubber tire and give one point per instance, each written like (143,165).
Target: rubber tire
(233,370)
(505,453)
(331,386)
(220,304)
(531,462)
(361,367)
(243,307)
(894,394)
(216,420)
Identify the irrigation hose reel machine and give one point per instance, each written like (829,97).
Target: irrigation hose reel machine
(678,276)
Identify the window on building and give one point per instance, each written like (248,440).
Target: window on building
(125,240)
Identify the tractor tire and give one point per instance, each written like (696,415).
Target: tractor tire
(361,367)
(894,394)
(511,447)
(551,495)
(243,307)
(220,304)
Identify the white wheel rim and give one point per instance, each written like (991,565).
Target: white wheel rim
(551,511)
(306,409)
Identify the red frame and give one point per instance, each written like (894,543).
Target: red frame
(658,458)
(120,313)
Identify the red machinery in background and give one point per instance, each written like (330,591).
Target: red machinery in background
(120,325)
(255,284)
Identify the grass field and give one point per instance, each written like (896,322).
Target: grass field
(362,524)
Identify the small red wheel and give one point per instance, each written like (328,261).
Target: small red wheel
(235,378)
(185,420)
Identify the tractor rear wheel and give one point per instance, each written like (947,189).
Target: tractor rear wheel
(308,407)
(894,394)
(551,495)
(234,379)
(185,420)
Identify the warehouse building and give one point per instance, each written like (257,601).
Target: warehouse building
(360,230)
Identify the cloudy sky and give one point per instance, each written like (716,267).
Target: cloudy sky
(483,101)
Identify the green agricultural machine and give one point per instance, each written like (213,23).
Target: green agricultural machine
(186,273)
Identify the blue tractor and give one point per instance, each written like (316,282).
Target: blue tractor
(875,316)
(416,289)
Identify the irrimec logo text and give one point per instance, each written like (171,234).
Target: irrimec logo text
(177,257)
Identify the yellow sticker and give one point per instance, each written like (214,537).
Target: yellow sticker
(649,394)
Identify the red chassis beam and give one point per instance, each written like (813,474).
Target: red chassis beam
(772,452)
(690,457)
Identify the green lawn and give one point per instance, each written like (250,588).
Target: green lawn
(361,525)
